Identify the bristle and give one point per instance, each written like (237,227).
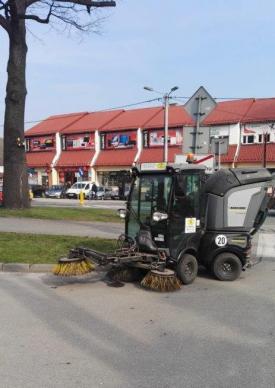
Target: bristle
(161,282)
(75,268)
(125,274)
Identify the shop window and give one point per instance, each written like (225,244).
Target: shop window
(63,143)
(145,139)
(102,142)
(27,145)
(248,139)
(261,138)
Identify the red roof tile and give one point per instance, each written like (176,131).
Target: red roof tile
(131,119)
(154,155)
(75,158)
(263,109)
(122,157)
(254,153)
(229,157)
(228,112)
(40,159)
(92,121)
(54,124)
(177,117)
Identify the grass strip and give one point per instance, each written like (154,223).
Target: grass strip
(61,213)
(34,249)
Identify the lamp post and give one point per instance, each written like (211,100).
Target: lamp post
(166,97)
(265,141)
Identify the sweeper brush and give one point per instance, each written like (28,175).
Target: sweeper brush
(73,267)
(162,281)
(125,274)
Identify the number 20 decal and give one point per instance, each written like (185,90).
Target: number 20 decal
(221,240)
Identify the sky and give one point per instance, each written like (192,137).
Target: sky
(226,46)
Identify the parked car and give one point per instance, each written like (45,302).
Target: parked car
(115,192)
(126,193)
(102,193)
(38,191)
(56,191)
(76,188)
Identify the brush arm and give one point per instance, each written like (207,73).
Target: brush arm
(121,256)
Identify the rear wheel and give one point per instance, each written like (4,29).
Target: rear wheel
(227,266)
(187,268)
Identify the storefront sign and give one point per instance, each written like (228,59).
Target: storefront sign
(45,143)
(156,138)
(79,141)
(120,140)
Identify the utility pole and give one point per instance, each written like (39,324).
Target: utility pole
(166,120)
(166,97)
(265,145)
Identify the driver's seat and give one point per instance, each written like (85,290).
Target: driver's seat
(145,241)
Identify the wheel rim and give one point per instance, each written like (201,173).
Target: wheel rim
(227,268)
(189,269)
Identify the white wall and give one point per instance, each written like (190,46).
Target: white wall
(231,130)
(259,129)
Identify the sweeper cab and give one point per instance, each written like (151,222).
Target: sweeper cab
(178,216)
(193,217)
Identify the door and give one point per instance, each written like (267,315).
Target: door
(184,220)
(150,193)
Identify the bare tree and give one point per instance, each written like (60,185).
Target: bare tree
(13,16)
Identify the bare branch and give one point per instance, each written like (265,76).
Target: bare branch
(37,18)
(5,24)
(89,3)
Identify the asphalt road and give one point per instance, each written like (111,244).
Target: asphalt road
(106,204)
(58,227)
(81,228)
(82,333)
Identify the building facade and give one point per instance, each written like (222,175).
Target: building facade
(103,146)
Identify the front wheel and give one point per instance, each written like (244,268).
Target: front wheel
(227,266)
(187,268)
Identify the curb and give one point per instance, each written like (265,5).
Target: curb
(24,267)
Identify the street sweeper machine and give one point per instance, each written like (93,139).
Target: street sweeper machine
(177,217)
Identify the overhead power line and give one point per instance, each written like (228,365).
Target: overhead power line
(96,111)
(146,102)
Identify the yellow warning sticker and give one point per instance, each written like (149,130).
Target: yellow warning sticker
(190,225)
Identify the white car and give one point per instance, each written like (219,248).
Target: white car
(76,188)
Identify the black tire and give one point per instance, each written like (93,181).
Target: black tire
(187,268)
(227,267)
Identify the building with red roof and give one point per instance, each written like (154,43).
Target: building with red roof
(153,134)
(245,124)
(43,147)
(80,146)
(120,143)
(103,146)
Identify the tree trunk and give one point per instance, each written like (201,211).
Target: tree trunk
(16,193)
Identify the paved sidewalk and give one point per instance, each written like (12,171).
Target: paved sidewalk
(69,228)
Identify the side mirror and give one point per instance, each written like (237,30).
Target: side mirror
(122,213)
(158,216)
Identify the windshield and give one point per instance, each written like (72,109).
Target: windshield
(78,186)
(150,193)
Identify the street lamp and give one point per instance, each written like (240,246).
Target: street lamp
(166,97)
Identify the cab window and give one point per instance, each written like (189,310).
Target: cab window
(187,195)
